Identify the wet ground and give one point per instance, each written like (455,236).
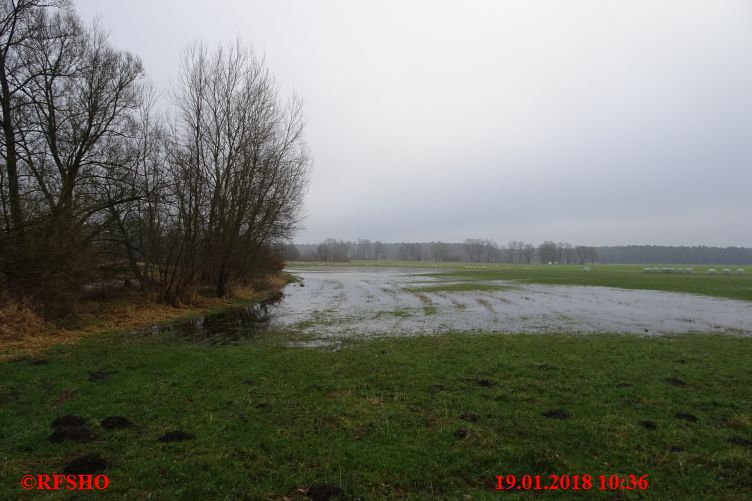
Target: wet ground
(227,327)
(387,301)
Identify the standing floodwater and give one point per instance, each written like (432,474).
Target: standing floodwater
(226,327)
(399,301)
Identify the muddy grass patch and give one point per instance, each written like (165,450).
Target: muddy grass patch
(687,416)
(470,417)
(176,436)
(99,375)
(675,381)
(740,441)
(461,433)
(649,425)
(485,303)
(458,305)
(429,308)
(556,414)
(485,383)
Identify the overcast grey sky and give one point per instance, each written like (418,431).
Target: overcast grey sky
(592,122)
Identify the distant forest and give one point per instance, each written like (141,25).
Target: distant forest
(487,251)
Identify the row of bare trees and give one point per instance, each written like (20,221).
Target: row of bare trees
(92,177)
(472,249)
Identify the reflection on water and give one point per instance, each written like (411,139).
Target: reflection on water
(227,327)
(362,301)
(331,303)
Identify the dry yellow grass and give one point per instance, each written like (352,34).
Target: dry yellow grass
(18,320)
(23,332)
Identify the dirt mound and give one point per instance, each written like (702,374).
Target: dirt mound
(116,423)
(68,420)
(88,464)
(461,433)
(324,492)
(80,434)
(98,376)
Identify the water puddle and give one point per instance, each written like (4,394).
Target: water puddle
(228,327)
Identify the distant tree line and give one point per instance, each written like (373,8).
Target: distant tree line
(487,251)
(471,250)
(639,254)
(95,184)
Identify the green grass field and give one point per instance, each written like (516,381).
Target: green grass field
(416,418)
(428,417)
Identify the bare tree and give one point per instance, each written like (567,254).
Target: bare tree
(66,96)
(90,176)
(136,225)
(379,250)
(439,251)
(527,253)
(17,24)
(363,249)
(239,166)
(547,252)
(490,251)
(474,249)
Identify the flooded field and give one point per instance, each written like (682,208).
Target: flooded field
(348,301)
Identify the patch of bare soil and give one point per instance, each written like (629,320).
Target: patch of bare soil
(87,464)
(71,428)
(323,492)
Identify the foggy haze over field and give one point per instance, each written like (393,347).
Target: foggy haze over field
(593,122)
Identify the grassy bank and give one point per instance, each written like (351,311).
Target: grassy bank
(622,276)
(110,310)
(415,418)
